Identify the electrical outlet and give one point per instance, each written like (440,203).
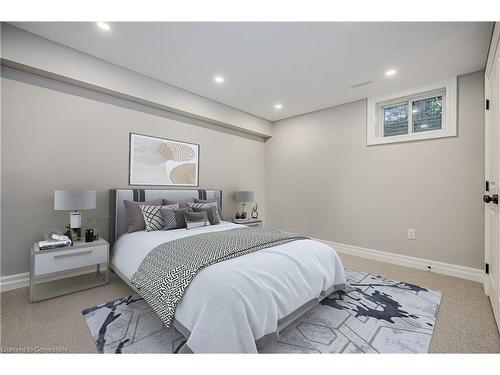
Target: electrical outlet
(411,234)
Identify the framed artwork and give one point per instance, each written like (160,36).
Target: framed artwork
(160,161)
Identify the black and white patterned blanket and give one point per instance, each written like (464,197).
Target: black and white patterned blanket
(167,271)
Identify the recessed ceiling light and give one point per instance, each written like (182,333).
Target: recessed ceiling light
(424,125)
(414,110)
(103,26)
(278,106)
(219,79)
(390,72)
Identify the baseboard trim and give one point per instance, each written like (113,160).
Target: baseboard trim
(22,280)
(16,281)
(468,273)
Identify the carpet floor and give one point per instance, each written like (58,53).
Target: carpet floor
(465,323)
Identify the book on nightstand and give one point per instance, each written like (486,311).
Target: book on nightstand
(46,245)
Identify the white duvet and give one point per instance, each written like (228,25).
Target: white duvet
(230,305)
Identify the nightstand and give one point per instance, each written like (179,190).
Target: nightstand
(65,270)
(249,222)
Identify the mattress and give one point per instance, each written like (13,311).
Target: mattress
(235,305)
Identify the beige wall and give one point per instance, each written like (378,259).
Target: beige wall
(322,180)
(55,136)
(316,174)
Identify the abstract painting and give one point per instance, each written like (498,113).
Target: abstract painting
(159,161)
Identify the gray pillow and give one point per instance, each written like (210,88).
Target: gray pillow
(135,219)
(210,201)
(206,205)
(182,203)
(196,219)
(211,213)
(174,218)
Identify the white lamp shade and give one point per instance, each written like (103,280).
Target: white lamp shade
(243,196)
(74,199)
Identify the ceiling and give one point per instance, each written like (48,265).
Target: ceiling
(303,66)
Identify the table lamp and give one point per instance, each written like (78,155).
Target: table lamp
(74,201)
(243,197)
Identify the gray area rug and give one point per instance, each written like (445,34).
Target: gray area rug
(374,315)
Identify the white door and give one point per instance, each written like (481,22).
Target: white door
(492,188)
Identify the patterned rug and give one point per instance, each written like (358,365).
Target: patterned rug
(374,315)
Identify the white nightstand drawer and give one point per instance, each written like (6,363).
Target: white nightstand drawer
(249,222)
(64,260)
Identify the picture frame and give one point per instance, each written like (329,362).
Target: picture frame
(156,161)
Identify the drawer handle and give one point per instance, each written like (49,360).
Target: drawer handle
(72,254)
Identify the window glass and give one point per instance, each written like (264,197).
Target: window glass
(427,114)
(396,119)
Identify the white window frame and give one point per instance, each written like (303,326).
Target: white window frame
(375,113)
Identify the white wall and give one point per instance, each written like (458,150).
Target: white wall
(56,136)
(322,180)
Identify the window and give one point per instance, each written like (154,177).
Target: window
(414,115)
(421,113)
(427,114)
(395,119)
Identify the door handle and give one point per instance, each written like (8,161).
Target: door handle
(488,199)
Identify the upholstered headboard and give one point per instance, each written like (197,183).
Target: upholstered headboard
(118,219)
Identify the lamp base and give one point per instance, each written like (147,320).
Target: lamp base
(74,228)
(75,219)
(74,234)
(243,214)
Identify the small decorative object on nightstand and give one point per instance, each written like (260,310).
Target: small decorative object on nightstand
(56,272)
(255,213)
(248,222)
(89,235)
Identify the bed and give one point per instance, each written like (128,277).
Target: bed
(239,304)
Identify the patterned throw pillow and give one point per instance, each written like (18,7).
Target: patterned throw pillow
(196,219)
(153,218)
(207,205)
(211,201)
(135,219)
(173,218)
(211,213)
